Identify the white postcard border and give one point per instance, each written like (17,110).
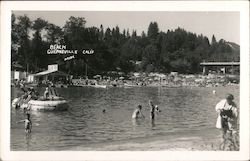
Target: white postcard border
(8,6)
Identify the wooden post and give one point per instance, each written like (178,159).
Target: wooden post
(86,70)
(204,70)
(224,70)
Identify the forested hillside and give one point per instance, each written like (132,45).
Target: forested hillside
(115,49)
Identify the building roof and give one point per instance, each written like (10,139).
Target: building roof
(50,72)
(220,63)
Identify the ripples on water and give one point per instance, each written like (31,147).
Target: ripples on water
(84,124)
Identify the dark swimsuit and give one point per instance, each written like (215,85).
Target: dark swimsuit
(153,113)
(225,115)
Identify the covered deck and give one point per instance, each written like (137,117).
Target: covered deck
(231,65)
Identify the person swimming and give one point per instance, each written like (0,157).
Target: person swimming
(137,113)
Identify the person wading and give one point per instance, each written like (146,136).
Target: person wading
(227,120)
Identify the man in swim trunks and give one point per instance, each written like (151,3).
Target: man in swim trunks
(137,113)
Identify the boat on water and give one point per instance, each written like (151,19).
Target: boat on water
(50,104)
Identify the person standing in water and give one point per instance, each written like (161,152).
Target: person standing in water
(153,109)
(137,113)
(227,120)
(46,93)
(27,124)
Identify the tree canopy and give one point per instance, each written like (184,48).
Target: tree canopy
(114,48)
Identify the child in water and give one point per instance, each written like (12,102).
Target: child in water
(137,113)
(27,123)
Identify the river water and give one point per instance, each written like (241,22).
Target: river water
(85,125)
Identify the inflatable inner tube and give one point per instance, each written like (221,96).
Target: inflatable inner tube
(51,105)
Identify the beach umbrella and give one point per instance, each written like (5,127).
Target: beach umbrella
(151,74)
(222,80)
(97,76)
(137,74)
(199,80)
(132,77)
(209,81)
(162,75)
(121,73)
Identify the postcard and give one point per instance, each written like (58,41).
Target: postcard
(124,80)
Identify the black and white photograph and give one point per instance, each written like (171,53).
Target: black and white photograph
(125,80)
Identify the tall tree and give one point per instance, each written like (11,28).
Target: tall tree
(101,32)
(38,52)
(23,27)
(74,37)
(54,34)
(74,31)
(14,39)
(213,40)
(153,30)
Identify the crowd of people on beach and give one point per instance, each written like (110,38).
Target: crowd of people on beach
(171,80)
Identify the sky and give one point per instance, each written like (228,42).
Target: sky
(224,25)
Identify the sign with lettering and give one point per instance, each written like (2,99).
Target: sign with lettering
(53,67)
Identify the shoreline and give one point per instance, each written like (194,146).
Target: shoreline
(202,140)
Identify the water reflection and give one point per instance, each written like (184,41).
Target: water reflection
(28,140)
(152,121)
(136,122)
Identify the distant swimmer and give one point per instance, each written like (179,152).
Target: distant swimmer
(27,123)
(137,113)
(153,109)
(103,111)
